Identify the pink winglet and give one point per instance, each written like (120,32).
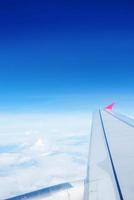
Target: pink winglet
(110,107)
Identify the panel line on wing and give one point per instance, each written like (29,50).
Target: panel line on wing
(124,121)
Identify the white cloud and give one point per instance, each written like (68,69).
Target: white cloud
(49,149)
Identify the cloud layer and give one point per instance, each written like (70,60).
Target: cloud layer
(39,150)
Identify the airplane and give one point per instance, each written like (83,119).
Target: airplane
(110,165)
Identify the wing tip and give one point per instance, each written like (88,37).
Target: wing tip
(110,107)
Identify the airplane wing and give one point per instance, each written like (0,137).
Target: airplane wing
(64,191)
(110,171)
(110,167)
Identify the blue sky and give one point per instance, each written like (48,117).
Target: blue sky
(65,55)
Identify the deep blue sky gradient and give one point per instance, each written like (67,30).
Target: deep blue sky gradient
(65,55)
